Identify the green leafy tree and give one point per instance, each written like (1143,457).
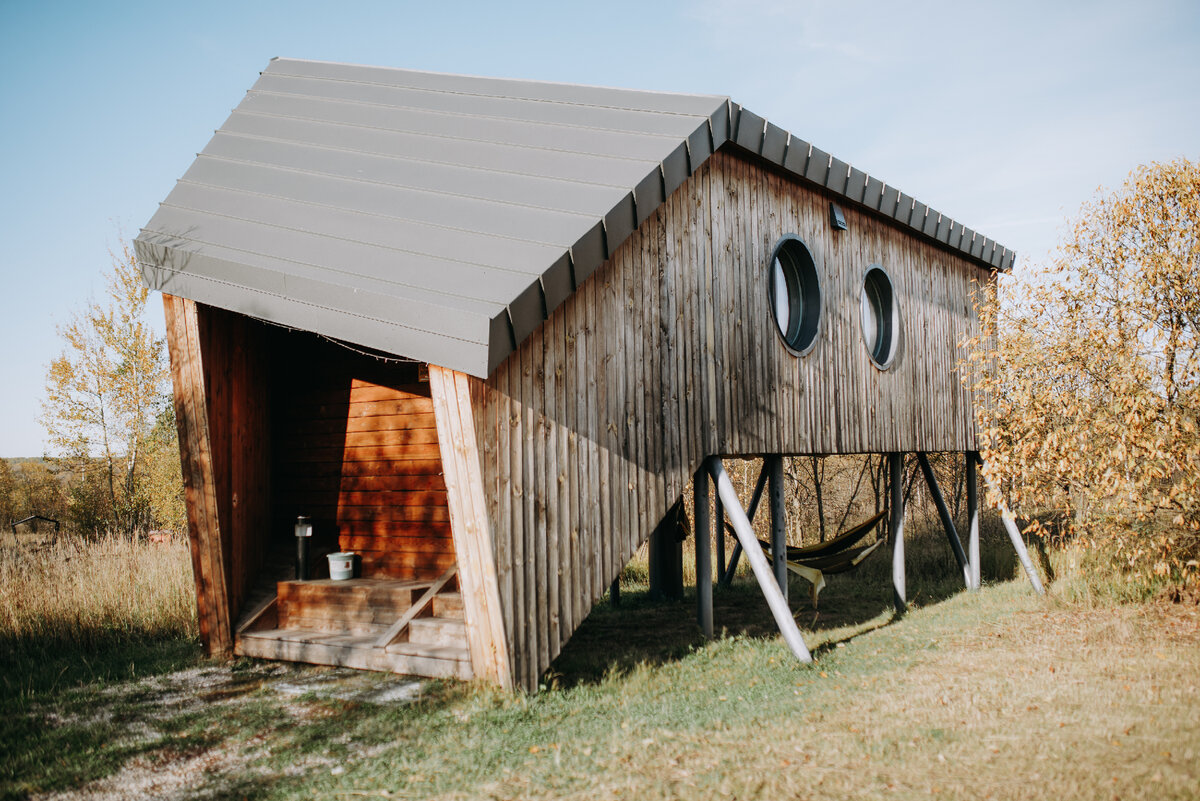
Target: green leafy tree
(104,398)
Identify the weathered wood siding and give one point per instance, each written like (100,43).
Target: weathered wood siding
(668,353)
(486,636)
(219,369)
(357,451)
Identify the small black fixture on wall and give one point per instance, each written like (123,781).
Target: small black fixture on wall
(837,220)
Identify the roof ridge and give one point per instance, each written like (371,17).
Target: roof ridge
(473,76)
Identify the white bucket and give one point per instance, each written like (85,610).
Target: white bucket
(341,566)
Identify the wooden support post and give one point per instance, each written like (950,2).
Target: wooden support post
(704,614)
(719,528)
(655,564)
(759,486)
(665,553)
(947,521)
(778,524)
(1014,535)
(673,562)
(487,634)
(896,506)
(972,518)
(199,479)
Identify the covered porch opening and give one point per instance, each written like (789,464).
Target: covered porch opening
(300,425)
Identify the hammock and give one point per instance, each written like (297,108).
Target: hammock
(835,556)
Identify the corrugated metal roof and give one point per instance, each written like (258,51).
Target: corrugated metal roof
(441,217)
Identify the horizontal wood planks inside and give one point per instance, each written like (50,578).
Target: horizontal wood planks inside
(358,453)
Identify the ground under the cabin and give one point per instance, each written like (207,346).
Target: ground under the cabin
(992,694)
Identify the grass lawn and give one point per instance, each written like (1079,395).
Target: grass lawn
(997,694)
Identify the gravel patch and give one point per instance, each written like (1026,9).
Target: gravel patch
(217,772)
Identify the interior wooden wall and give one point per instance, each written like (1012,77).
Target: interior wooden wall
(357,452)
(669,353)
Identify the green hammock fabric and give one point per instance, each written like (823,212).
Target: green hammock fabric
(835,556)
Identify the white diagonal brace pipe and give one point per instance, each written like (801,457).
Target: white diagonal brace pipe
(1010,526)
(758,562)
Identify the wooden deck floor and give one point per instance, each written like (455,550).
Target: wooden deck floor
(325,622)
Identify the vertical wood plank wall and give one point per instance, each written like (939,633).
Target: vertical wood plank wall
(358,453)
(218,367)
(486,636)
(668,353)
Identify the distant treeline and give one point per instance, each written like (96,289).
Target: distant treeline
(77,496)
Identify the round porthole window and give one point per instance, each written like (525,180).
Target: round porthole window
(880,316)
(795,294)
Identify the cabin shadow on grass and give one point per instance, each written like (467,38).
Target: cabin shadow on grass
(640,631)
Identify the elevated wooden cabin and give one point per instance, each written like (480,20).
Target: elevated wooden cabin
(482,332)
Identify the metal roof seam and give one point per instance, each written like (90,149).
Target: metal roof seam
(393,217)
(334,270)
(279,60)
(426,90)
(424,134)
(376,154)
(301,302)
(490,266)
(555,124)
(336,176)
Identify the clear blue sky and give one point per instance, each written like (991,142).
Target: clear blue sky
(1004,116)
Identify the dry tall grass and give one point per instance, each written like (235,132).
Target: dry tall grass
(86,592)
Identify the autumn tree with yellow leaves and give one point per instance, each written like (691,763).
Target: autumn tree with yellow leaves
(107,412)
(1089,368)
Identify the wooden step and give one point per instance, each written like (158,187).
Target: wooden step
(438,631)
(421,650)
(360,606)
(395,592)
(356,651)
(448,605)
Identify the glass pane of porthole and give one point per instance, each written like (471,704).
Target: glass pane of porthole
(880,316)
(870,321)
(783,312)
(795,293)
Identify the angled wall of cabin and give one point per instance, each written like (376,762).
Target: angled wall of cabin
(219,375)
(669,352)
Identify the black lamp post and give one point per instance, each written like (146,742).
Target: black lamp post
(303,537)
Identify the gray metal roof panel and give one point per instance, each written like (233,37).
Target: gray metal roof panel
(873,194)
(774,144)
(838,173)
(550,114)
(483,216)
(587,254)
(750,131)
(285,260)
(524,160)
(575,197)
(699,145)
(574,94)
(796,159)
(618,225)
(455,244)
(517,133)
(675,169)
(856,185)
(648,194)
(442,217)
